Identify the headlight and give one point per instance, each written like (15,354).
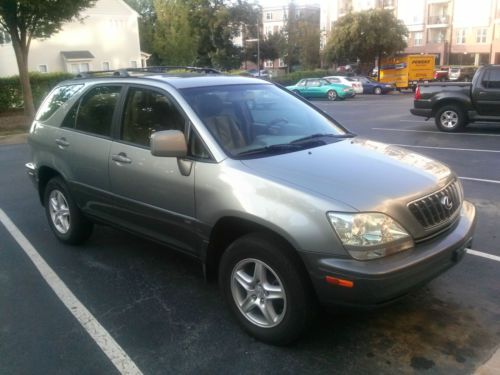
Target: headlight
(370,235)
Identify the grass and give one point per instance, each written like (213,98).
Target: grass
(13,122)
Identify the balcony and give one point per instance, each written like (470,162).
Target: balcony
(438,21)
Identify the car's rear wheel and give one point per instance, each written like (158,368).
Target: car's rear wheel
(332,95)
(266,289)
(450,118)
(377,90)
(65,218)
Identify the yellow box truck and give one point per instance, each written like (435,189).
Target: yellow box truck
(406,71)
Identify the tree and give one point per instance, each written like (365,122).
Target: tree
(366,35)
(25,20)
(272,46)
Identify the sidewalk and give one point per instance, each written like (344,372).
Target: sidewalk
(13,139)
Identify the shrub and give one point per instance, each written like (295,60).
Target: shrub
(11,96)
(292,78)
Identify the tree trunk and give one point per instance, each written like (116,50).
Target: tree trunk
(22,64)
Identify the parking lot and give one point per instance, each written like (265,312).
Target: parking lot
(159,310)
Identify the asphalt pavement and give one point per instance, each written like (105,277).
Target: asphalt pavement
(157,307)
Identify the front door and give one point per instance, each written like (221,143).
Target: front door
(154,197)
(487,93)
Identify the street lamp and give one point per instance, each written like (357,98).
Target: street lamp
(258,51)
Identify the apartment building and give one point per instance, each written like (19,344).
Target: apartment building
(106,38)
(458,32)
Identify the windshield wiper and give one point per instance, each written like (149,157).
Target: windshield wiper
(321,135)
(277,148)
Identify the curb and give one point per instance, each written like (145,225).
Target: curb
(13,139)
(491,367)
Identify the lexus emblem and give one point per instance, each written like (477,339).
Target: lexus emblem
(446,202)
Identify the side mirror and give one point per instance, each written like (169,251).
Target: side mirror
(169,143)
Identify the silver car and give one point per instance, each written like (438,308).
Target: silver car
(279,202)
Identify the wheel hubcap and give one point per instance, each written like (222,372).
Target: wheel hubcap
(59,211)
(449,119)
(258,293)
(332,95)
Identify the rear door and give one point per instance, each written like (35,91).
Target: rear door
(153,197)
(313,88)
(84,142)
(486,93)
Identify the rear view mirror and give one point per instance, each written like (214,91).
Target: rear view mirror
(169,143)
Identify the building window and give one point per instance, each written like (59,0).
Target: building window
(418,38)
(481,35)
(133,64)
(4,37)
(43,68)
(105,65)
(269,16)
(80,67)
(276,29)
(461,36)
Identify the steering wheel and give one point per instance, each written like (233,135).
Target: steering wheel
(276,125)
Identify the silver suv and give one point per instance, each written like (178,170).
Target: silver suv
(277,200)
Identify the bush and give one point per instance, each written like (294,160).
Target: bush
(11,96)
(292,78)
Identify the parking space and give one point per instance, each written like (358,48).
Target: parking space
(158,308)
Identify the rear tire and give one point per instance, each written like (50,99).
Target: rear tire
(65,219)
(450,118)
(377,90)
(247,292)
(332,95)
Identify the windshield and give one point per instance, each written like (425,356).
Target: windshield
(260,119)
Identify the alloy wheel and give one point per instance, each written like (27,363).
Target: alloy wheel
(59,211)
(449,119)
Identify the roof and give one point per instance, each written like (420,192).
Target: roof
(207,80)
(77,55)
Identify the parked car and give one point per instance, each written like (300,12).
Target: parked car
(462,73)
(348,81)
(442,74)
(455,104)
(278,201)
(255,73)
(321,88)
(373,87)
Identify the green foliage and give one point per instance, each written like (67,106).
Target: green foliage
(293,78)
(365,35)
(273,46)
(11,96)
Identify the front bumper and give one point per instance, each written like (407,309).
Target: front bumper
(380,281)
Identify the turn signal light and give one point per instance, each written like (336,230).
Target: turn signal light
(340,282)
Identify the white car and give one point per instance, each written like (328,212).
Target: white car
(348,81)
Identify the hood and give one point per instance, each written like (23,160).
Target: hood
(361,173)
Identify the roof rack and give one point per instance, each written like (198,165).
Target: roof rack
(125,72)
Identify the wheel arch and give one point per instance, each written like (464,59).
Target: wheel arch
(228,229)
(45,174)
(462,103)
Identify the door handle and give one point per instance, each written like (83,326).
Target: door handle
(62,142)
(121,158)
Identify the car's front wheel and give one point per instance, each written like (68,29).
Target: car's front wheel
(332,95)
(266,289)
(450,118)
(65,218)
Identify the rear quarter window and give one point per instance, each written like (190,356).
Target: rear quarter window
(56,99)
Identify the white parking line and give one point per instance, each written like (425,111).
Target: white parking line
(109,346)
(480,180)
(436,132)
(484,255)
(448,148)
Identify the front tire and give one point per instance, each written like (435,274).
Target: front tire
(332,95)
(266,288)
(450,118)
(66,220)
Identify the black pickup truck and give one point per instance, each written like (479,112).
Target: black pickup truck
(455,104)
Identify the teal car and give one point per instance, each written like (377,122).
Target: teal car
(321,88)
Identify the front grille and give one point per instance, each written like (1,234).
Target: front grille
(434,209)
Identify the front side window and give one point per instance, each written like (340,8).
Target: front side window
(56,99)
(146,112)
(96,109)
(258,119)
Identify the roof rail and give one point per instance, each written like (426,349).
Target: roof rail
(125,72)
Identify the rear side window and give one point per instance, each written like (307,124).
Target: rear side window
(56,99)
(492,79)
(96,109)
